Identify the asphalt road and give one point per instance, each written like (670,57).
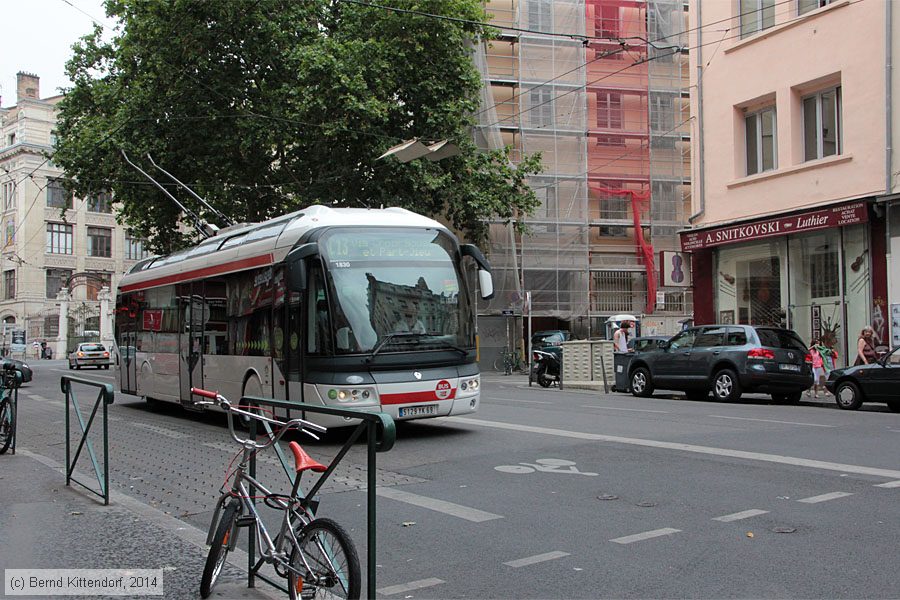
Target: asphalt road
(565,494)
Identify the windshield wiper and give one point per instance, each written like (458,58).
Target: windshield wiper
(390,337)
(446,343)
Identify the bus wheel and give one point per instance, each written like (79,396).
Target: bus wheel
(153,404)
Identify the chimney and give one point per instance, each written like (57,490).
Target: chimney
(28,86)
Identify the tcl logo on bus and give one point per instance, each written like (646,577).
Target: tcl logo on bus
(443,389)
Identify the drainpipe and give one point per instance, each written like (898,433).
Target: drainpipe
(888,151)
(701,187)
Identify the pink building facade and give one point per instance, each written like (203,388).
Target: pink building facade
(791,154)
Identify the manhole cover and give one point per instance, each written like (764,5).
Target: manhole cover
(646,504)
(785,529)
(607,497)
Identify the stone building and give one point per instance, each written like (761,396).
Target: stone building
(54,246)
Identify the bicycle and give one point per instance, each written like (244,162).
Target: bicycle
(508,362)
(10,379)
(315,555)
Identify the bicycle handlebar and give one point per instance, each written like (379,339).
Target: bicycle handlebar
(223,403)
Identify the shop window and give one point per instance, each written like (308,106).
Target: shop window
(761,141)
(822,124)
(824,275)
(756,15)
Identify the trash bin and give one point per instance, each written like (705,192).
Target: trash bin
(621,362)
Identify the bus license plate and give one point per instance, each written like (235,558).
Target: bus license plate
(415,411)
(785,367)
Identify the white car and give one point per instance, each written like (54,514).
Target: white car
(89,355)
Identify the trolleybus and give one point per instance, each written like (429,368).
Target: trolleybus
(361,308)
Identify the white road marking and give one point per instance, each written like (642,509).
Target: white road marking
(753,512)
(825,497)
(517,400)
(638,537)
(628,409)
(889,484)
(412,585)
(441,506)
(774,458)
(770,421)
(539,558)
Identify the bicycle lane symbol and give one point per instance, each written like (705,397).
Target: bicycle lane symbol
(545,465)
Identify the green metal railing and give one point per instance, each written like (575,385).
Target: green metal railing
(105,397)
(380,436)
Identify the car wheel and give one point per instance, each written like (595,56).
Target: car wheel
(894,405)
(791,398)
(697,394)
(726,386)
(848,396)
(641,383)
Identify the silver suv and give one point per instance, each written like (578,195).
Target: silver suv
(726,360)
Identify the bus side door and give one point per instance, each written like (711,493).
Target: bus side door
(192,306)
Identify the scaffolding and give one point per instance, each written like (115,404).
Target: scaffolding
(598,87)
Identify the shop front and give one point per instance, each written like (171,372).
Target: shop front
(820,273)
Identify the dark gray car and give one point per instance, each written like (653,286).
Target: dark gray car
(726,360)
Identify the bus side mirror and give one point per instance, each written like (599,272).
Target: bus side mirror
(486,283)
(485,280)
(295,263)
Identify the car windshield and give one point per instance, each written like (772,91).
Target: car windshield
(92,348)
(780,338)
(548,339)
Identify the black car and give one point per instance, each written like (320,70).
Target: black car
(22,368)
(727,360)
(874,382)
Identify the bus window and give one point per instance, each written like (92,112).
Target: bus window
(319,333)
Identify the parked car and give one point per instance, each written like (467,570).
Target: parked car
(726,360)
(646,343)
(553,337)
(89,355)
(22,368)
(875,382)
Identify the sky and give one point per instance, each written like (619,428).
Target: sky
(37,38)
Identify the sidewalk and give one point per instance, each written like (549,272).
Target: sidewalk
(46,525)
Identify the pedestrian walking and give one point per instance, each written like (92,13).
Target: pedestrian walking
(818,367)
(865,347)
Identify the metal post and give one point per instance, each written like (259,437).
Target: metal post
(371,520)
(251,536)
(68,390)
(105,450)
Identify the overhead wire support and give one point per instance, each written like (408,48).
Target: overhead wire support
(225,219)
(203,228)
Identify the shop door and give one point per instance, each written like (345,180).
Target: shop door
(127,362)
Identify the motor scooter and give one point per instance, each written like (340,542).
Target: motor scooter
(544,367)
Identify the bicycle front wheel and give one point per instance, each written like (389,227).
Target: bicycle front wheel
(6,425)
(327,558)
(218,551)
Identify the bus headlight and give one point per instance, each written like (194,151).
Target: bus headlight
(470,385)
(350,395)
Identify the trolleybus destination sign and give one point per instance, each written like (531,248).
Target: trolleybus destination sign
(837,216)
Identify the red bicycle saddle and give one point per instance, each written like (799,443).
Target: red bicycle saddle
(304,461)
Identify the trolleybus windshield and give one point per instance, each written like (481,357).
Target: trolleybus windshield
(395,290)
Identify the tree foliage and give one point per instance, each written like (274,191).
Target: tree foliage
(266,106)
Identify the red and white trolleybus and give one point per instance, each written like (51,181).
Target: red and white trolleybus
(361,308)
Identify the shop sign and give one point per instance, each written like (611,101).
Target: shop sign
(838,216)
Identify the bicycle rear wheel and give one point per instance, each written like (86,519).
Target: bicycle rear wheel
(327,556)
(6,425)
(218,551)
